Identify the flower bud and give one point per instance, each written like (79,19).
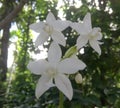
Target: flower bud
(78,78)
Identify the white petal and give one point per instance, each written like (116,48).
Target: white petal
(71,65)
(43,36)
(50,18)
(64,85)
(44,83)
(76,26)
(97,32)
(37,27)
(59,38)
(61,25)
(95,46)
(85,27)
(54,53)
(79,28)
(87,22)
(99,36)
(38,67)
(81,41)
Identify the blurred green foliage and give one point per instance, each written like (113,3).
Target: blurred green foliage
(101,78)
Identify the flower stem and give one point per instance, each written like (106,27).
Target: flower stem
(61,97)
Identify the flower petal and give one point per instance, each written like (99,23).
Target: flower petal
(37,27)
(79,28)
(97,32)
(44,83)
(87,22)
(81,41)
(41,38)
(95,46)
(64,85)
(85,27)
(99,37)
(59,38)
(54,53)
(38,67)
(50,18)
(76,26)
(71,65)
(61,25)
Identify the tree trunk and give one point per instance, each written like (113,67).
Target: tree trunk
(4,52)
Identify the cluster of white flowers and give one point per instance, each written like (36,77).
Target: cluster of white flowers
(55,70)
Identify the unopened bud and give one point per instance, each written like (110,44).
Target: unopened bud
(78,78)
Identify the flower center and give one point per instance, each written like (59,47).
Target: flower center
(91,36)
(94,33)
(51,72)
(48,29)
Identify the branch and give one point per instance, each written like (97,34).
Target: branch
(13,14)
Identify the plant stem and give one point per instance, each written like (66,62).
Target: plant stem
(61,97)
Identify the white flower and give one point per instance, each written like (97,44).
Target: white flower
(55,69)
(88,34)
(52,28)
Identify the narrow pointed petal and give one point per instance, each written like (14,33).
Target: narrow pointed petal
(64,85)
(50,18)
(79,28)
(95,46)
(87,22)
(54,53)
(85,27)
(59,38)
(44,83)
(37,27)
(81,41)
(43,36)
(38,67)
(61,25)
(71,65)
